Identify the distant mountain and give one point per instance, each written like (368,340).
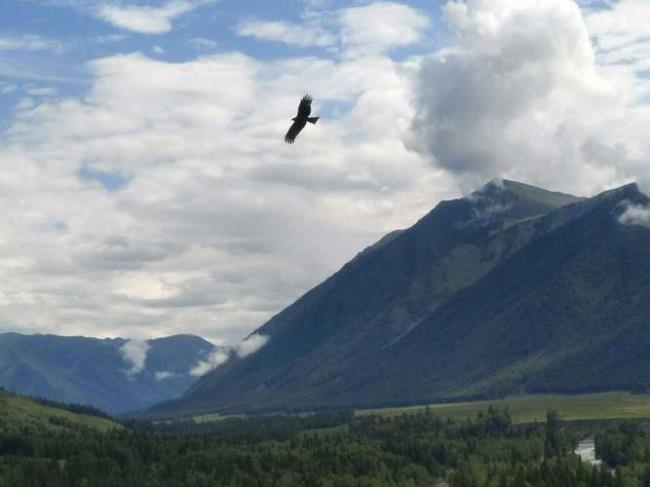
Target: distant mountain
(510,289)
(112,374)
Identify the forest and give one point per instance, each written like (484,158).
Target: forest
(336,449)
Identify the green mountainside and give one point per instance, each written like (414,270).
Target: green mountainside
(511,289)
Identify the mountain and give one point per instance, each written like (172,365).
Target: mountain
(510,289)
(104,373)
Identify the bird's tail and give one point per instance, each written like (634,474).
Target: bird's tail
(313,120)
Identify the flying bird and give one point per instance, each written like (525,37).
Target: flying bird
(300,120)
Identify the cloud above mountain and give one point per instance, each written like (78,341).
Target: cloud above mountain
(520,91)
(634,214)
(219,356)
(134,353)
(160,198)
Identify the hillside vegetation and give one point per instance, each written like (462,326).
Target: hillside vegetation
(411,451)
(18,413)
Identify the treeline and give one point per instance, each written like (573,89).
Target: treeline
(86,409)
(318,450)
(626,447)
(279,427)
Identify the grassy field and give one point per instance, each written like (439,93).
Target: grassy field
(209,418)
(18,410)
(526,409)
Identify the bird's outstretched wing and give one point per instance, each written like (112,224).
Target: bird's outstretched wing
(294,130)
(304,109)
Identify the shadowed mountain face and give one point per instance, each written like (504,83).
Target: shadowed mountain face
(99,371)
(510,289)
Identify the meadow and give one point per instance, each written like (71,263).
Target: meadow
(532,408)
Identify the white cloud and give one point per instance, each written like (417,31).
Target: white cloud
(164,200)
(381,26)
(625,22)
(308,34)
(517,92)
(7,88)
(109,39)
(134,352)
(216,358)
(31,42)
(146,19)
(42,91)
(202,43)
(250,345)
(220,356)
(164,374)
(214,224)
(355,31)
(634,214)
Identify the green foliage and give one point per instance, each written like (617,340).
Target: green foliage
(19,412)
(530,408)
(403,451)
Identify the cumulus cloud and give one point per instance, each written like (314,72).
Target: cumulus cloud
(518,92)
(220,356)
(169,206)
(145,19)
(134,353)
(163,198)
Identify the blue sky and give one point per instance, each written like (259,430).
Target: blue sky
(72,33)
(145,185)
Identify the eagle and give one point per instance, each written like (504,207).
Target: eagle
(301,119)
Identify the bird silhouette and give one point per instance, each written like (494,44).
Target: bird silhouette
(301,119)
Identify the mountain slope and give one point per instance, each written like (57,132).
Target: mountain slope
(325,349)
(19,412)
(566,313)
(98,371)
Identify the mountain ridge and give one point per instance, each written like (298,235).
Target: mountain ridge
(338,343)
(99,371)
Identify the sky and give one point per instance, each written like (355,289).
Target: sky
(145,187)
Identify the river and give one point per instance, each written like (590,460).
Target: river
(587,451)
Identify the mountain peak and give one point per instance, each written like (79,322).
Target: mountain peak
(630,190)
(504,199)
